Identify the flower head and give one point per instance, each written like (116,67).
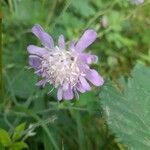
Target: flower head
(66,68)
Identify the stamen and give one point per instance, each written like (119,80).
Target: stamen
(61,67)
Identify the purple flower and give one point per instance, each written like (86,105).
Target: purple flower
(67,68)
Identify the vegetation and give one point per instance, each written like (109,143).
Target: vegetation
(112,117)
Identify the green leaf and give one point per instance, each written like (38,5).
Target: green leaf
(128,112)
(83,7)
(114,21)
(24,79)
(18,146)
(44,126)
(87,100)
(71,21)
(4,137)
(17,131)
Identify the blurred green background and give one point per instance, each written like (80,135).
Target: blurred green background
(123,40)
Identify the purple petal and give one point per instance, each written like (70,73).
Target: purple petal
(80,88)
(32,49)
(88,37)
(94,77)
(61,42)
(34,61)
(68,94)
(65,86)
(39,72)
(87,58)
(72,45)
(41,83)
(59,93)
(44,37)
(85,84)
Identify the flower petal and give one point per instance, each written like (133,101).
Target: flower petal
(87,58)
(44,37)
(41,83)
(88,37)
(39,72)
(72,45)
(93,76)
(80,88)
(32,49)
(68,94)
(59,93)
(85,84)
(61,42)
(34,61)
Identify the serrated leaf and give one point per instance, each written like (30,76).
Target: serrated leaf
(4,138)
(127,112)
(17,131)
(18,146)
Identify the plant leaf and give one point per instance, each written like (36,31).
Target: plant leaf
(18,146)
(4,137)
(17,131)
(128,112)
(83,8)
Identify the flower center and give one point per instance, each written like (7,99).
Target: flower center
(62,68)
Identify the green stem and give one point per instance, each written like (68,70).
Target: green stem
(63,11)
(11,7)
(10,88)
(43,125)
(65,108)
(97,15)
(1,79)
(51,13)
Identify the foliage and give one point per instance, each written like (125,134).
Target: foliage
(80,124)
(127,111)
(12,142)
